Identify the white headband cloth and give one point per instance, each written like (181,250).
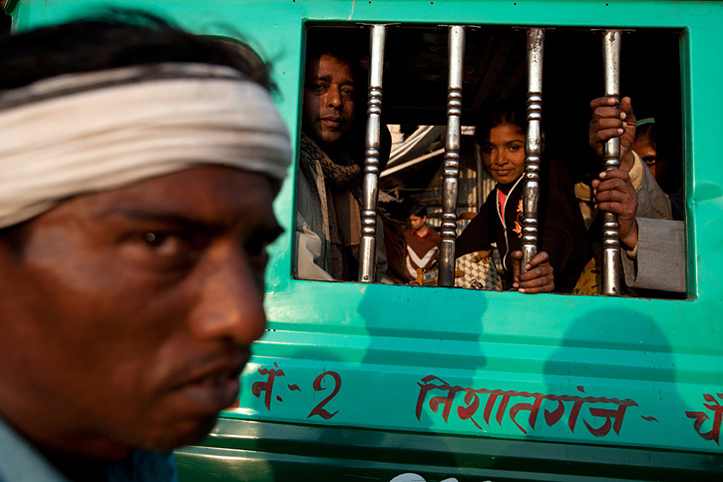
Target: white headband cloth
(81,133)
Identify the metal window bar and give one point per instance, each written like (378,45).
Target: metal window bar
(533,144)
(451,157)
(370,193)
(611,278)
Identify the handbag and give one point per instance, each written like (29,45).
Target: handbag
(479,270)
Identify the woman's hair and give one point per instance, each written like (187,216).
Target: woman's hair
(500,114)
(113,39)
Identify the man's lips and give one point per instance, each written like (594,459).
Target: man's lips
(213,387)
(332,121)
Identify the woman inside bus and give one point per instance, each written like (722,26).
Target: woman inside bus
(563,248)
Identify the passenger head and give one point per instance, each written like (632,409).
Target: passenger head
(418,217)
(501,140)
(646,146)
(329,96)
(139,165)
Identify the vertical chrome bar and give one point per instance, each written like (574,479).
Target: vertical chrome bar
(451,156)
(611,160)
(533,144)
(368,251)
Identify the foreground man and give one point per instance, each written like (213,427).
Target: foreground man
(139,164)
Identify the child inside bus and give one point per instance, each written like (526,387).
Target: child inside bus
(422,244)
(654,255)
(563,248)
(656,151)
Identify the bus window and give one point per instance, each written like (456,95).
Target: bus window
(414,104)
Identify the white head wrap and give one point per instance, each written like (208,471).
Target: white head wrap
(86,132)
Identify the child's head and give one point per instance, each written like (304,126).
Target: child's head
(418,217)
(645,144)
(501,141)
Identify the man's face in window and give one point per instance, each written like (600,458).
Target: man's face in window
(127,315)
(328,99)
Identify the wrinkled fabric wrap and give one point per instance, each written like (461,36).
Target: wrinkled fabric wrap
(86,132)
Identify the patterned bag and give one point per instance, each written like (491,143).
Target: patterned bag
(479,270)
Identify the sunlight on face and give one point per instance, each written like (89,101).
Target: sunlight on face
(134,309)
(328,99)
(503,153)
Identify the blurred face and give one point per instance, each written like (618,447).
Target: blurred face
(503,153)
(127,315)
(416,222)
(328,99)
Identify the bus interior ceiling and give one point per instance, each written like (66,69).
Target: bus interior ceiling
(495,71)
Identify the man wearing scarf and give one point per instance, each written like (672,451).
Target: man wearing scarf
(328,217)
(139,164)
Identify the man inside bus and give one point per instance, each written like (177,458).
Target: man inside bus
(653,144)
(139,166)
(653,245)
(328,201)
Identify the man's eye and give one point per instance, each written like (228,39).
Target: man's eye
(348,92)
(650,160)
(166,244)
(319,88)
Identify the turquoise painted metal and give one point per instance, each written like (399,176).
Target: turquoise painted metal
(376,380)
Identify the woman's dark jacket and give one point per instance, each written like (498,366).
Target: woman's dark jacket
(561,229)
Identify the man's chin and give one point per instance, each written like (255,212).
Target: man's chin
(185,433)
(331,137)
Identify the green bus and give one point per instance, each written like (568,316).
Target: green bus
(371,381)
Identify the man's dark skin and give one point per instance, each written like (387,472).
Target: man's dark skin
(328,101)
(128,314)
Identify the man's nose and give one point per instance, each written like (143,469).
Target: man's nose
(333,97)
(230,301)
